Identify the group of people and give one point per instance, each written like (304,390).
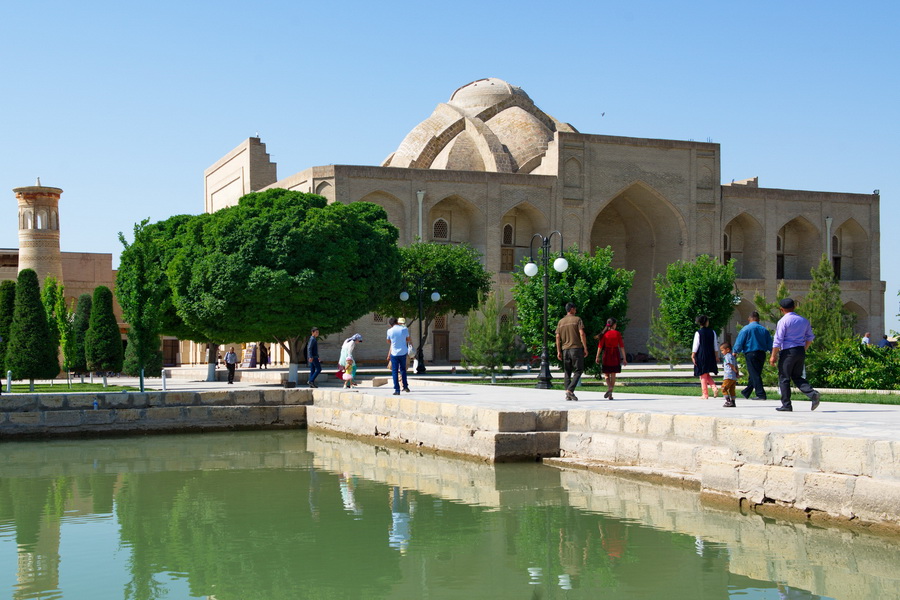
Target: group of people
(399,349)
(884,342)
(572,348)
(793,336)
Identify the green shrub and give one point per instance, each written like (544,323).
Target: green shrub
(849,364)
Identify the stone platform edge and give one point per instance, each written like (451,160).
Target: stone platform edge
(65,415)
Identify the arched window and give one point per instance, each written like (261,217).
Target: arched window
(508,235)
(440,322)
(726,245)
(440,230)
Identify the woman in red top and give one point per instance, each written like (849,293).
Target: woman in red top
(612,350)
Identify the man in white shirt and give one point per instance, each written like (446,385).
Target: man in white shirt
(398,342)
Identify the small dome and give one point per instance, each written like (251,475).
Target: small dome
(484,93)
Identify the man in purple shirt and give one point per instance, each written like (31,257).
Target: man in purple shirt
(793,335)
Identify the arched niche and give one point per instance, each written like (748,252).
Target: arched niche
(522,221)
(798,250)
(862,316)
(744,241)
(850,252)
(325,189)
(464,219)
(395,211)
(646,233)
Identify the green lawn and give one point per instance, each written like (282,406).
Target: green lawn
(692,389)
(62,388)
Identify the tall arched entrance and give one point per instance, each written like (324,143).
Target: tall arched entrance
(646,234)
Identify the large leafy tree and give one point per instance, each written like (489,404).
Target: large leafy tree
(703,286)
(102,341)
(279,263)
(7,306)
(141,292)
(831,322)
(454,271)
(598,289)
(30,353)
(489,342)
(143,284)
(80,323)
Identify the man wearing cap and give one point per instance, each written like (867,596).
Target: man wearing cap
(754,341)
(793,335)
(398,344)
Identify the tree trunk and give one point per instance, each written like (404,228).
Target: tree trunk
(296,351)
(213,350)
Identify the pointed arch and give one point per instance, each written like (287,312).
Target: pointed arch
(395,210)
(465,221)
(850,255)
(646,233)
(325,189)
(525,220)
(862,316)
(746,241)
(801,249)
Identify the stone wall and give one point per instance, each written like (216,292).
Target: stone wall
(41,415)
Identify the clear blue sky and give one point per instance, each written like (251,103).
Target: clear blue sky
(124,105)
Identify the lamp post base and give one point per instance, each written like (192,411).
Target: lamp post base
(420,361)
(545,379)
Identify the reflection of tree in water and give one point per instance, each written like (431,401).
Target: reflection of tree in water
(251,534)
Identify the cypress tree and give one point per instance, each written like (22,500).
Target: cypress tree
(102,341)
(30,354)
(7,306)
(80,325)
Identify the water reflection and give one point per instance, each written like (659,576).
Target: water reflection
(296,515)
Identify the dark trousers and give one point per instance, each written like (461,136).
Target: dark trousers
(790,368)
(230,367)
(755,361)
(573,365)
(315,367)
(398,371)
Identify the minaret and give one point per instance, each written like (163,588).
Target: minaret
(39,230)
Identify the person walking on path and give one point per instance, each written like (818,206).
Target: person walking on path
(312,357)
(610,355)
(571,341)
(730,367)
(230,363)
(346,360)
(398,344)
(703,355)
(263,356)
(793,335)
(754,341)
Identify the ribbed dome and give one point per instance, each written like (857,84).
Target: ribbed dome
(487,125)
(483,93)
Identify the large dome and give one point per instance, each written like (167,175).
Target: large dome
(487,125)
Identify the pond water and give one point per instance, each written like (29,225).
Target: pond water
(286,515)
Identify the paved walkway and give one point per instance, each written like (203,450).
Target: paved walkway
(877,421)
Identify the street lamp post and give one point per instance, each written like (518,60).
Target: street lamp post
(404,296)
(531,269)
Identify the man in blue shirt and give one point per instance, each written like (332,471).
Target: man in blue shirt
(793,335)
(754,341)
(398,344)
(312,356)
